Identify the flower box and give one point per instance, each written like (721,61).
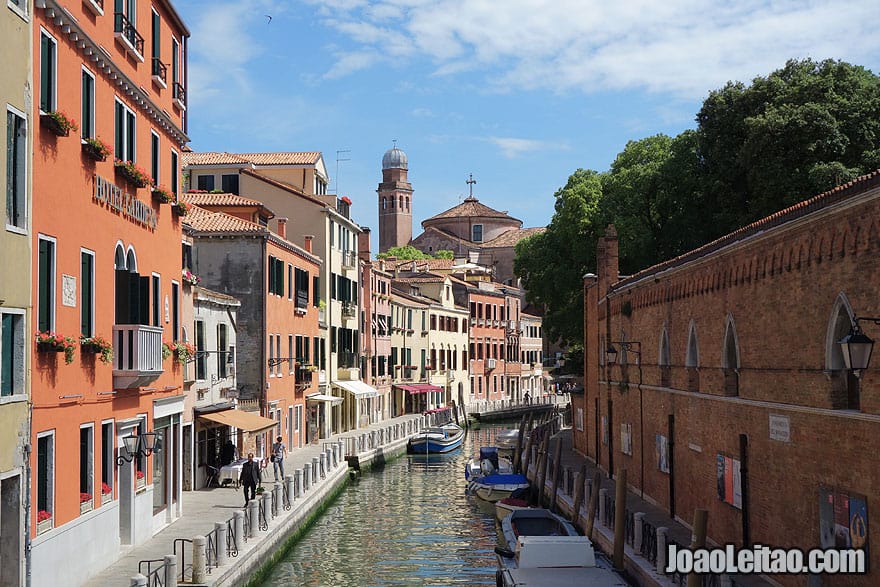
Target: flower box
(132,173)
(49,342)
(96,149)
(44,525)
(97,345)
(140,481)
(163,195)
(106,493)
(180,208)
(58,123)
(190,278)
(86,506)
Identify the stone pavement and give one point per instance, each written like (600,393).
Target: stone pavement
(203,507)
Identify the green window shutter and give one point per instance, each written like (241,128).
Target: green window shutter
(271,268)
(85,288)
(44,273)
(46,73)
(7,363)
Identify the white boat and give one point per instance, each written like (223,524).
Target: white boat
(491,477)
(556,561)
(437,439)
(530,522)
(506,506)
(488,463)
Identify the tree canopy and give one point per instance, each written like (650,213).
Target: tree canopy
(409,252)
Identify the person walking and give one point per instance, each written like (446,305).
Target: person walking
(250,477)
(278,453)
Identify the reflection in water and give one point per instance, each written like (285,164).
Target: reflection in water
(408,524)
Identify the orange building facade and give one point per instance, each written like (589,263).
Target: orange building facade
(106,280)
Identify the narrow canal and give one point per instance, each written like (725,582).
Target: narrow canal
(409,523)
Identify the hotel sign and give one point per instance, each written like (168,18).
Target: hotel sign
(114,198)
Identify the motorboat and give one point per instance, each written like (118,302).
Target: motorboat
(507,505)
(488,463)
(555,561)
(491,477)
(436,439)
(531,522)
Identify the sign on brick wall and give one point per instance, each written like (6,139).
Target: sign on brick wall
(729,481)
(779,428)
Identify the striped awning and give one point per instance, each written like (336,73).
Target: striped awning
(415,388)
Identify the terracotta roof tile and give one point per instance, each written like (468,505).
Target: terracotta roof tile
(277,158)
(471,207)
(209,199)
(206,221)
(421,264)
(511,237)
(212,158)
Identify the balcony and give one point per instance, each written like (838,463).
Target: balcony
(179,95)
(137,355)
(349,310)
(129,36)
(490,363)
(160,73)
(349,260)
(303,378)
(346,360)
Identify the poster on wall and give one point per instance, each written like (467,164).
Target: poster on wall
(729,481)
(843,520)
(662,450)
(626,443)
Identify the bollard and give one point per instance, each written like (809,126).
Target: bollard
(220,533)
(661,550)
(276,499)
(329,457)
(171,569)
(199,560)
(307,474)
(603,494)
(314,471)
(335,457)
(253,514)
(238,524)
(297,483)
(639,523)
(288,485)
(323,466)
(138,581)
(267,504)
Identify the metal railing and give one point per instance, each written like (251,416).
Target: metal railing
(181,557)
(160,70)
(126,29)
(212,552)
(264,520)
(155,575)
(630,528)
(608,520)
(179,93)
(231,548)
(649,542)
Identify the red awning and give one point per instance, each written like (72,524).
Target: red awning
(420,388)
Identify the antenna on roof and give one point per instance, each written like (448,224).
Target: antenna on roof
(338,159)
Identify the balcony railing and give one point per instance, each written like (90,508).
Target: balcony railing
(349,260)
(346,360)
(179,95)
(160,72)
(349,310)
(137,355)
(131,38)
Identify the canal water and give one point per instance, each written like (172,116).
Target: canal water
(408,523)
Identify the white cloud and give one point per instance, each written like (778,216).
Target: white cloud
(512,147)
(682,47)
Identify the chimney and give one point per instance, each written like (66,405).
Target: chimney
(282,227)
(307,245)
(364,244)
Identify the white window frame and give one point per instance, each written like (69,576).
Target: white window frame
(21,11)
(290,364)
(50,498)
(22,186)
(88,133)
(205,347)
(51,286)
(128,111)
(156,156)
(91,463)
(473,229)
(19,368)
(84,251)
(54,104)
(110,463)
(175,173)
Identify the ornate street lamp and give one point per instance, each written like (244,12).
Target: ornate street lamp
(133,447)
(857,346)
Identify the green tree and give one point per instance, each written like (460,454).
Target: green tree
(551,264)
(404,253)
(444,254)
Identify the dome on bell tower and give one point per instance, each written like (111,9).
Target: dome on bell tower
(394,158)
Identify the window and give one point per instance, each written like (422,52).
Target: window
(12,348)
(156,303)
(87,121)
(201,366)
(157,39)
(107,460)
(175,311)
(229,183)
(290,281)
(86,460)
(16,170)
(46,285)
(124,132)
(276,276)
(175,172)
(206,182)
(87,293)
(477,233)
(20,7)
(297,420)
(302,288)
(45,473)
(154,156)
(48,64)
(278,354)
(222,348)
(316,296)
(292,364)
(186,261)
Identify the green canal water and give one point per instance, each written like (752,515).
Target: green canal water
(407,523)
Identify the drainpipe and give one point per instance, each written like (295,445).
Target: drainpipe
(26,450)
(264,380)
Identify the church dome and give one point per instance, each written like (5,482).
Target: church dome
(394,159)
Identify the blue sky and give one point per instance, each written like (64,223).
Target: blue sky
(520,93)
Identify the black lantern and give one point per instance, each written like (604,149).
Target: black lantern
(133,446)
(856,348)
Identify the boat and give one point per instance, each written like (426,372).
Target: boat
(531,522)
(506,441)
(506,506)
(491,477)
(556,561)
(436,439)
(488,463)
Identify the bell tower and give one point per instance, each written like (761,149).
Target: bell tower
(395,201)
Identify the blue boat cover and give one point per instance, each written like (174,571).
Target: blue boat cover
(503,479)
(487,452)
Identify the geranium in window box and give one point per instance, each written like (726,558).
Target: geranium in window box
(180,208)
(140,480)
(133,173)
(59,123)
(44,521)
(106,492)
(163,194)
(86,503)
(49,342)
(96,149)
(97,345)
(190,278)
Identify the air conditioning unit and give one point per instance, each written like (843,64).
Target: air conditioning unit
(490,363)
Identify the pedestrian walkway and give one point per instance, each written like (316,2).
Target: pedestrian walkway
(638,566)
(202,508)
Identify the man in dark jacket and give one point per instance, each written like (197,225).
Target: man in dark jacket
(250,477)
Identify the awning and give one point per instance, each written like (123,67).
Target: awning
(358,389)
(247,421)
(323,397)
(420,388)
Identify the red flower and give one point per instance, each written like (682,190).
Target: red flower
(43,515)
(140,474)
(84,497)
(105,489)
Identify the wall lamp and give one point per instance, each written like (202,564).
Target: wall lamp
(857,346)
(230,355)
(133,446)
(279,360)
(628,346)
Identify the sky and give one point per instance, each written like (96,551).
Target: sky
(518,93)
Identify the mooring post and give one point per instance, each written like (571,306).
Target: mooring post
(580,480)
(557,467)
(620,519)
(698,540)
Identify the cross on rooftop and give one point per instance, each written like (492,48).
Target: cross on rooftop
(471,181)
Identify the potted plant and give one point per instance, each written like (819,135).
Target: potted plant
(260,490)
(59,123)
(96,345)
(140,480)
(44,521)
(96,149)
(133,173)
(167,349)
(180,208)
(49,342)
(190,278)
(106,492)
(183,351)
(162,194)
(86,503)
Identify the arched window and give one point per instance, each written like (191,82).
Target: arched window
(119,258)
(664,360)
(730,359)
(844,383)
(692,359)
